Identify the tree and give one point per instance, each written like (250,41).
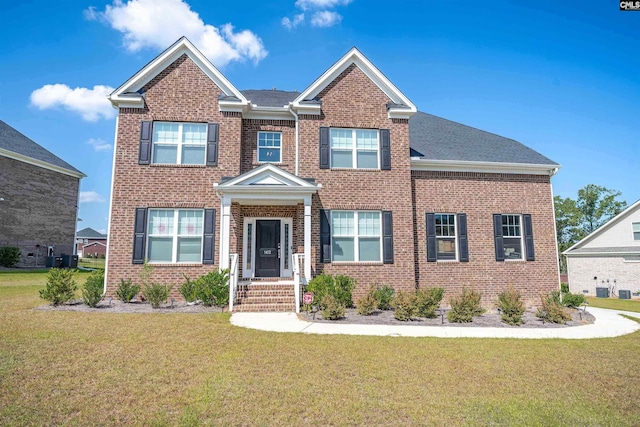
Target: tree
(575,219)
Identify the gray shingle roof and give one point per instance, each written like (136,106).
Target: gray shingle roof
(270,98)
(435,138)
(89,233)
(12,140)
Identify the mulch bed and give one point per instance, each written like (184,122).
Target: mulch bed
(117,306)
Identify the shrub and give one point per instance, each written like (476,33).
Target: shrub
(9,256)
(564,287)
(332,309)
(188,289)
(341,288)
(156,293)
(367,304)
(93,288)
(427,301)
(61,286)
(512,307)
(465,306)
(126,291)
(405,306)
(552,310)
(573,300)
(213,288)
(384,295)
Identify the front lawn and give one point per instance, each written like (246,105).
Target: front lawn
(72,368)
(615,304)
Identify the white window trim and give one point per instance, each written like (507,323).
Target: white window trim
(356,237)
(180,144)
(633,231)
(354,149)
(455,237)
(258,147)
(523,256)
(175,236)
(251,273)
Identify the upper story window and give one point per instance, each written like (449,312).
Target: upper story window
(355,148)
(445,236)
(269,147)
(636,231)
(512,236)
(179,143)
(175,235)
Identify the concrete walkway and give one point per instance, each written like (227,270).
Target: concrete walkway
(608,324)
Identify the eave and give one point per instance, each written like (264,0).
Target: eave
(40,163)
(420,164)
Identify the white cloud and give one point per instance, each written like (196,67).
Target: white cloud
(159,23)
(325,18)
(102,231)
(293,23)
(320,4)
(98,144)
(91,197)
(90,13)
(91,104)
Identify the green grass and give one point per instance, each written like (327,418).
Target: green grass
(71,368)
(614,303)
(96,263)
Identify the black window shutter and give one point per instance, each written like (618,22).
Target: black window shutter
(144,155)
(497,236)
(325,235)
(209,242)
(385,149)
(212,144)
(387,237)
(139,235)
(431,238)
(528,237)
(325,149)
(463,242)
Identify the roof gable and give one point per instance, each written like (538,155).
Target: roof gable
(266,175)
(128,94)
(400,107)
(89,233)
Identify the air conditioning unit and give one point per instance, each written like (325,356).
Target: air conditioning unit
(624,294)
(602,292)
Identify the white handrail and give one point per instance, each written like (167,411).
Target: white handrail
(233,279)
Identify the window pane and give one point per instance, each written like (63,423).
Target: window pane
(166,132)
(341,159)
(189,249)
(367,139)
(369,249)
(161,222)
(249,242)
(367,159)
(160,249)
(190,223)
(512,248)
(369,223)
(342,249)
(341,138)
(194,133)
(636,231)
(286,246)
(167,154)
(270,154)
(446,248)
(193,155)
(342,224)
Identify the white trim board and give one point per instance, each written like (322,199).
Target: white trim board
(40,163)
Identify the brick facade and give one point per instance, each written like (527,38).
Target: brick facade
(39,210)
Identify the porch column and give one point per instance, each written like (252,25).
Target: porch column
(225,231)
(307,238)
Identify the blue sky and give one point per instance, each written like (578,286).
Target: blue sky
(560,77)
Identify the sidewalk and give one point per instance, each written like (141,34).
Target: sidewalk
(608,324)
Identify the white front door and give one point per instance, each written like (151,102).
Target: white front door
(272,260)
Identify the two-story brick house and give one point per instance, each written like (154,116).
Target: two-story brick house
(345,177)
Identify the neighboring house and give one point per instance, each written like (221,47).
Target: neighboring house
(345,177)
(89,242)
(609,257)
(38,199)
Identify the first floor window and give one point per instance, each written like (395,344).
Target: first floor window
(636,231)
(179,143)
(269,147)
(512,237)
(175,235)
(356,236)
(445,236)
(354,148)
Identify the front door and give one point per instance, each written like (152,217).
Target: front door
(268,248)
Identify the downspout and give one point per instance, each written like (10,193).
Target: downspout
(297,132)
(113,176)
(552,172)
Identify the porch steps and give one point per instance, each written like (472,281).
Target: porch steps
(262,296)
